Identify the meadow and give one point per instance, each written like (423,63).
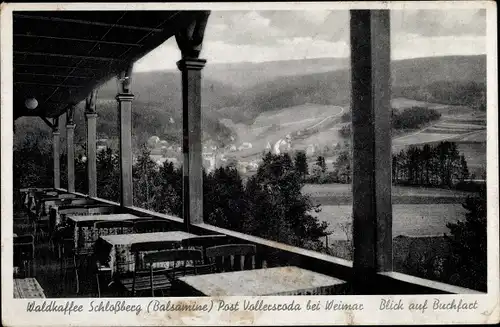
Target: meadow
(408,219)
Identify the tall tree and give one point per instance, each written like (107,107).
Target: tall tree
(170,189)
(321,163)
(468,262)
(224,202)
(301,163)
(343,166)
(277,208)
(108,175)
(145,175)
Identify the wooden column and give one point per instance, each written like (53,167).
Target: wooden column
(124,98)
(190,40)
(56,152)
(70,133)
(191,147)
(371,137)
(91,118)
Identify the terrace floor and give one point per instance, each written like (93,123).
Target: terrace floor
(47,270)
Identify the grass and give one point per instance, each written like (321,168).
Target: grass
(408,219)
(341,194)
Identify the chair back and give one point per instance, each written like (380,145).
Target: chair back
(79,201)
(151,225)
(232,257)
(24,253)
(113,227)
(175,263)
(175,255)
(66,196)
(203,242)
(153,246)
(140,249)
(26,238)
(66,247)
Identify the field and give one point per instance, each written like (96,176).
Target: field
(458,124)
(341,194)
(408,219)
(269,127)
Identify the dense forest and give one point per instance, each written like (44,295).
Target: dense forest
(439,165)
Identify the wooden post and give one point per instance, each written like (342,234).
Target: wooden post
(56,152)
(70,133)
(91,118)
(124,98)
(371,137)
(191,147)
(190,40)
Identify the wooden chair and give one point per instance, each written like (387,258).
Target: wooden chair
(68,261)
(160,278)
(151,225)
(24,255)
(104,228)
(203,242)
(232,257)
(123,280)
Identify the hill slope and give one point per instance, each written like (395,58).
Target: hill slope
(242,91)
(450,80)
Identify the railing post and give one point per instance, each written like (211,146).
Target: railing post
(191,147)
(91,118)
(371,138)
(189,40)
(56,152)
(124,98)
(70,133)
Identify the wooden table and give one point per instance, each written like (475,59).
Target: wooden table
(83,226)
(115,250)
(27,288)
(260,282)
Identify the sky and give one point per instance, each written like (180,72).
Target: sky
(257,36)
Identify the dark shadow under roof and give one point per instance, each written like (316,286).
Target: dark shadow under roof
(60,56)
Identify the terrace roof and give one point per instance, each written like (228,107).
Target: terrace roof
(59,57)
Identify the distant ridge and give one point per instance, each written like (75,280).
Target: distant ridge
(241,91)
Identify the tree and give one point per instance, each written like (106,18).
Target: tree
(464,170)
(468,261)
(301,163)
(108,175)
(170,190)
(224,202)
(277,209)
(145,179)
(321,163)
(430,165)
(342,166)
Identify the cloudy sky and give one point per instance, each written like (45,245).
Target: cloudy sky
(256,36)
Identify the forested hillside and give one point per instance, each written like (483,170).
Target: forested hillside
(157,106)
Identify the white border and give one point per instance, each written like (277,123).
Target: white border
(14,311)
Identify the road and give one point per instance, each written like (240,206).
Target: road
(280,141)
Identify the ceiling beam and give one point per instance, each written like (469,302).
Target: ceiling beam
(77,40)
(86,22)
(50,84)
(47,122)
(48,54)
(57,66)
(53,75)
